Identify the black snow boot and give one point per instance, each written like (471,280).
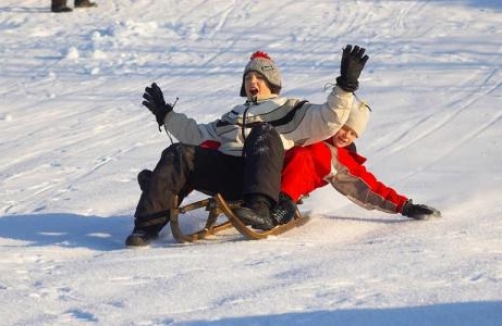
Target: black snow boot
(284,210)
(84,4)
(144,179)
(59,6)
(255,212)
(147,229)
(142,237)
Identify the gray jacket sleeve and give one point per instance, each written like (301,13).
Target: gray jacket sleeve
(188,131)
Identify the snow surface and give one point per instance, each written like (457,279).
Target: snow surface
(73,136)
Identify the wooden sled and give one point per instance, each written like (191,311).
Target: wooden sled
(216,206)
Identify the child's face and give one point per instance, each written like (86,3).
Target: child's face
(344,137)
(256,86)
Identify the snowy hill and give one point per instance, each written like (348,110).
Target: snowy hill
(73,136)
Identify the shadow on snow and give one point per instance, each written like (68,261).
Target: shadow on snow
(490,4)
(485,313)
(105,233)
(67,230)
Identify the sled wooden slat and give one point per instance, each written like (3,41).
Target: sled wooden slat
(210,229)
(248,232)
(216,206)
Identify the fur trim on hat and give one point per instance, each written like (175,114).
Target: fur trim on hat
(261,63)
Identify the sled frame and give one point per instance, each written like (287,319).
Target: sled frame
(216,206)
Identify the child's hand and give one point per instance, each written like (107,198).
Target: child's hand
(353,61)
(419,211)
(154,101)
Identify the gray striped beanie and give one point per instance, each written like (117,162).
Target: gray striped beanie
(261,63)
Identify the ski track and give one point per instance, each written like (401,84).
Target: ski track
(464,106)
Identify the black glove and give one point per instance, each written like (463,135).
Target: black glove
(154,101)
(420,211)
(353,61)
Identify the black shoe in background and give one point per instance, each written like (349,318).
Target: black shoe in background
(60,9)
(85,4)
(59,6)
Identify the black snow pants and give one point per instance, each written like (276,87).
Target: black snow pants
(183,168)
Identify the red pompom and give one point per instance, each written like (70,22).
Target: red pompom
(260,54)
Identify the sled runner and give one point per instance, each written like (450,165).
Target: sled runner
(216,206)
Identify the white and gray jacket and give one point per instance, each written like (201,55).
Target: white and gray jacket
(299,123)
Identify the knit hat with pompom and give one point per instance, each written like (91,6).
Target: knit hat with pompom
(261,63)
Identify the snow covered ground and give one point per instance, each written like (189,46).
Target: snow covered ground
(73,136)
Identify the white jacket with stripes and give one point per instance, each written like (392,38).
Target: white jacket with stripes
(299,123)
